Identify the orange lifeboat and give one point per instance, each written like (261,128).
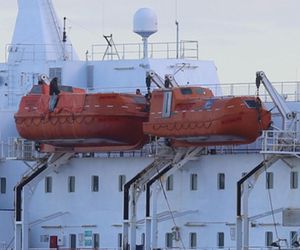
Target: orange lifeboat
(192,116)
(82,122)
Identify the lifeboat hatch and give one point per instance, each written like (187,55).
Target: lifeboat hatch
(166,112)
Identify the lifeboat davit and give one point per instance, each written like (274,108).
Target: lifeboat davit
(82,122)
(193,116)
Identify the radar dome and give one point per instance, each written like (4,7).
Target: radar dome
(145,22)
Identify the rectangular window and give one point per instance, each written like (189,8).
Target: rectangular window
(294,239)
(122,181)
(44,238)
(56,72)
(120,238)
(221,240)
(95,183)
(48,184)
(169,240)
(73,241)
(294,180)
(269,238)
(167,104)
(221,181)
(2,185)
(96,240)
(193,240)
(269,180)
(71,184)
(169,183)
(194,182)
(143,239)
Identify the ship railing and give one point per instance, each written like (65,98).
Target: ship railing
(270,142)
(281,142)
(289,90)
(163,50)
(226,248)
(38,52)
(74,248)
(170,248)
(18,149)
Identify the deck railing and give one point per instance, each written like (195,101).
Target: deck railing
(281,142)
(162,50)
(18,149)
(171,248)
(38,52)
(289,90)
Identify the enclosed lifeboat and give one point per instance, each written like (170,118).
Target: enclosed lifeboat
(192,116)
(82,122)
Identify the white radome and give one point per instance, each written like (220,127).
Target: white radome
(145,22)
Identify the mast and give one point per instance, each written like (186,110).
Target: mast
(38,35)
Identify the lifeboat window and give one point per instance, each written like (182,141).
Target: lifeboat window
(186,91)
(66,88)
(251,103)
(199,91)
(139,99)
(209,104)
(167,104)
(36,89)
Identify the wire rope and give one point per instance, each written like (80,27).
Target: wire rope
(169,208)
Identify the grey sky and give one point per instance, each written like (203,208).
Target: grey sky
(241,36)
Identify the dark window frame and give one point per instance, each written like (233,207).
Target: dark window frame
(95,183)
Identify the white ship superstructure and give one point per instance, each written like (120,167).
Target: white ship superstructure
(79,201)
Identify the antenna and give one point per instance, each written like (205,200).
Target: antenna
(177,38)
(177,30)
(64,40)
(64,32)
(145,24)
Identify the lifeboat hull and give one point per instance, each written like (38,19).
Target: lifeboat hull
(207,121)
(242,128)
(99,121)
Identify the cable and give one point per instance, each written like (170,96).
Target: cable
(169,207)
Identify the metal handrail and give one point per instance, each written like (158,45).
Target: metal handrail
(33,52)
(167,50)
(281,142)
